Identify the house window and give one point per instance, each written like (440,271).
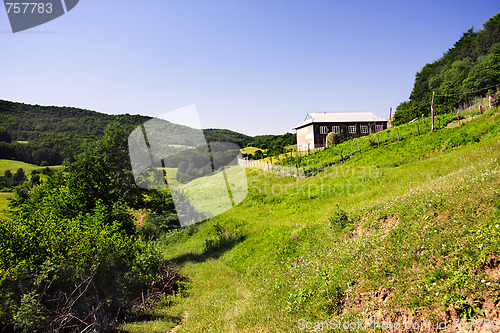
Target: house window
(363,129)
(336,129)
(323,130)
(379,128)
(351,129)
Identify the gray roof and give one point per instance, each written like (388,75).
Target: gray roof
(339,117)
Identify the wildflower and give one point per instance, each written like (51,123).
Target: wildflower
(488,283)
(434,284)
(296,237)
(437,294)
(483,281)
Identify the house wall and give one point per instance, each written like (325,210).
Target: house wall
(305,138)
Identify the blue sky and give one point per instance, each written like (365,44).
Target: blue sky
(256,67)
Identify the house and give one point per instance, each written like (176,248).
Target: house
(312,132)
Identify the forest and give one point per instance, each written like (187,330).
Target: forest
(470,69)
(49,135)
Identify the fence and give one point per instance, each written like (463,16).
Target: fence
(284,170)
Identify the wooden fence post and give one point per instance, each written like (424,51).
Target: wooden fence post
(432,111)
(397,130)
(480,109)
(359,148)
(378,140)
(418,130)
(439,123)
(304,171)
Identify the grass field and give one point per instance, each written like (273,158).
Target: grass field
(251,150)
(4,214)
(14,165)
(407,232)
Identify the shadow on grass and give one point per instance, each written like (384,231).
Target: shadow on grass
(145,317)
(213,250)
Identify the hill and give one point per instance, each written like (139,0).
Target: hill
(404,232)
(47,135)
(468,70)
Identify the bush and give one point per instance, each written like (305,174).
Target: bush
(226,235)
(333,139)
(460,140)
(155,226)
(338,218)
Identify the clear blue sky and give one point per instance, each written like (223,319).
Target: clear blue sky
(256,67)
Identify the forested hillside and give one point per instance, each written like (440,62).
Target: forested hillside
(470,69)
(47,135)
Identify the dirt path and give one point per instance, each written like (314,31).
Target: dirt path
(176,328)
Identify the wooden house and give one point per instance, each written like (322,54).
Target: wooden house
(312,132)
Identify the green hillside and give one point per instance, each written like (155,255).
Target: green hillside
(49,134)
(468,70)
(407,232)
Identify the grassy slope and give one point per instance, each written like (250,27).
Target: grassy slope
(14,165)
(423,235)
(4,204)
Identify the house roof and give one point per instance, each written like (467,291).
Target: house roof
(338,117)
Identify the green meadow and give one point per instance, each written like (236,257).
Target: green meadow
(13,165)
(4,204)
(407,231)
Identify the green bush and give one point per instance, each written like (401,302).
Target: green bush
(155,226)
(460,140)
(338,218)
(226,234)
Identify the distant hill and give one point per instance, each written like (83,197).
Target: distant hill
(47,135)
(471,68)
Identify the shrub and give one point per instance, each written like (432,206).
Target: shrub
(226,234)
(338,218)
(333,139)
(155,226)
(460,140)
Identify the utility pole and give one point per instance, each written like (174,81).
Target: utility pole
(432,111)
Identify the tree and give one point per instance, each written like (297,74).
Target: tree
(258,155)
(19,177)
(103,172)
(5,136)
